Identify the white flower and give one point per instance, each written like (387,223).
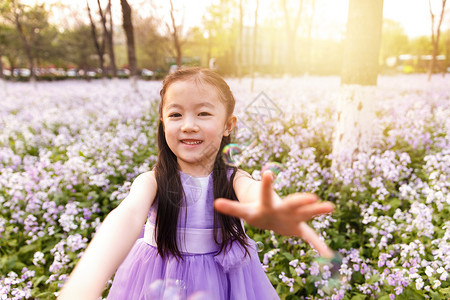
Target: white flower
(444,276)
(419,283)
(429,271)
(436,284)
(38,258)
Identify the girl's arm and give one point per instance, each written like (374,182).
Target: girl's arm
(112,242)
(261,207)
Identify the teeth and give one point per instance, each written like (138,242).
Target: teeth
(192,143)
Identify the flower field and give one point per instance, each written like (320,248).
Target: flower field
(70,150)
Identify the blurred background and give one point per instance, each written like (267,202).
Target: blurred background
(56,39)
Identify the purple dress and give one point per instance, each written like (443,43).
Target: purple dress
(201,274)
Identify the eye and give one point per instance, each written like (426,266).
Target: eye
(204,113)
(174,115)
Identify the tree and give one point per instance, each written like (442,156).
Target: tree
(7,34)
(359,76)
(291,35)
(220,34)
(255,31)
(76,49)
(394,40)
(241,34)
(129,32)
(17,11)
(108,33)
(174,32)
(99,44)
(435,35)
(151,46)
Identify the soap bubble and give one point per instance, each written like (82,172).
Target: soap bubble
(274,167)
(169,289)
(329,271)
(259,246)
(232,155)
(155,290)
(201,295)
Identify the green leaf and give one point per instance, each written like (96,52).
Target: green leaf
(446,291)
(373,279)
(435,296)
(359,297)
(28,248)
(288,256)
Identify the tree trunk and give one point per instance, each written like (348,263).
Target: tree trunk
(435,37)
(355,112)
(241,32)
(111,42)
(131,50)
(2,76)
(309,39)
(255,33)
(108,35)
(176,40)
(291,37)
(100,47)
(25,42)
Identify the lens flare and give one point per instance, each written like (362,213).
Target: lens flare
(232,155)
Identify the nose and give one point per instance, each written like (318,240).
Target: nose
(189,125)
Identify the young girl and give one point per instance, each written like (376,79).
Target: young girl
(187,241)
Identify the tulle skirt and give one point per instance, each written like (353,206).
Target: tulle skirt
(231,275)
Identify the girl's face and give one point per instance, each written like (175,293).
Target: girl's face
(195,120)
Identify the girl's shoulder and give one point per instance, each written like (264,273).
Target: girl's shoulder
(242,177)
(146,178)
(145,183)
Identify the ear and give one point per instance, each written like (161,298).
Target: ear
(229,125)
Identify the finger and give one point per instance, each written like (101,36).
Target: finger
(307,212)
(232,208)
(293,201)
(266,189)
(311,237)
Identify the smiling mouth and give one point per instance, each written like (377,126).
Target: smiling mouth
(191,142)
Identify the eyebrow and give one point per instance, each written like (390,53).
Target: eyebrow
(175,105)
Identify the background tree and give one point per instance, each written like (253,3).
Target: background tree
(291,25)
(18,11)
(7,35)
(359,76)
(220,32)
(255,35)
(129,32)
(106,20)
(435,35)
(241,35)
(394,40)
(98,42)
(309,27)
(152,47)
(76,49)
(175,34)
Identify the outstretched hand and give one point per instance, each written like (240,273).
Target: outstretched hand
(286,217)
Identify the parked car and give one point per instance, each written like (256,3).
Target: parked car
(147,73)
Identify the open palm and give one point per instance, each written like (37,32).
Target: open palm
(285,217)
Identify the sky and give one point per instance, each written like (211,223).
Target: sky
(414,15)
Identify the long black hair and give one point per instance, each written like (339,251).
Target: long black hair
(170,191)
